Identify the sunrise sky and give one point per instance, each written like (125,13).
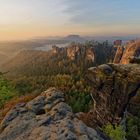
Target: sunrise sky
(21,19)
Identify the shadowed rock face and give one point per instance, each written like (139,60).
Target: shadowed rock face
(113,87)
(47,117)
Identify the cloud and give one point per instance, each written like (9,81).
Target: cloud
(69,16)
(103,12)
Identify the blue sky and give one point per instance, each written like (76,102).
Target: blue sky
(28,18)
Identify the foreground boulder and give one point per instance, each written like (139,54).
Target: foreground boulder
(47,117)
(113,85)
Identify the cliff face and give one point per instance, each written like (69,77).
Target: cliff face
(113,87)
(58,60)
(80,51)
(45,117)
(76,52)
(118,54)
(132,49)
(95,52)
(129,54)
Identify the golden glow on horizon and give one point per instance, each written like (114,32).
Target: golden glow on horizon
(24,19)
(14,32)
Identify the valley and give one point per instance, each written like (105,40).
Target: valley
(99,81)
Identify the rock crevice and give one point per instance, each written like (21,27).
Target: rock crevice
(118,84)
(47,117)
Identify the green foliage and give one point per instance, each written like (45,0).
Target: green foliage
(133,128)
(80,102)
(6,91)
(114,132)
(75,89)
(23,87)
(35,71)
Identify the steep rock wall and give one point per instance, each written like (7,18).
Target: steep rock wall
(113,85)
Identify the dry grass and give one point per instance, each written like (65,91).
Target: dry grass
(10,104)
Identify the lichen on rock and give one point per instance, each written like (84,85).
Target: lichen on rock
(113,85)
(47,117)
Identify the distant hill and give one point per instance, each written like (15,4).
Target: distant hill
(75,38)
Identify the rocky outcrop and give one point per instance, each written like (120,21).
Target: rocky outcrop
(47,117)
(57,50)
(97,53)
(74,51)
(117,42)
(79,51)
(62,60)
(132,49)
(118,54)
(113,85)
(93,52)
(129,54)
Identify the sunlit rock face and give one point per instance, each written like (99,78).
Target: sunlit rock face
(75,52)
(113,85)
(119,51)
(59,59)
(78,51)
(96,53)
(132,49)
(47,117)
(118,55)
(130,53)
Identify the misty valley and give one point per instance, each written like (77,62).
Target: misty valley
(69,70)
(99,81)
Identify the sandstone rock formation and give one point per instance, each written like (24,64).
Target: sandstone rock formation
(78,51)
(118,54)
(117,42)
(46,117)
(131,50)
(92,51)
(58,60)
(75,51)
(113,87)
(129,53)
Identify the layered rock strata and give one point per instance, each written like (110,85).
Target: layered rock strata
(113,85)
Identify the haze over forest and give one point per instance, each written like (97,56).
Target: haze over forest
(69,69)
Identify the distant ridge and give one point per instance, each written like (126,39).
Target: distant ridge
(74,38)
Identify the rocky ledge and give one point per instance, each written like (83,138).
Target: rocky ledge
(47,117)
(113,86)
